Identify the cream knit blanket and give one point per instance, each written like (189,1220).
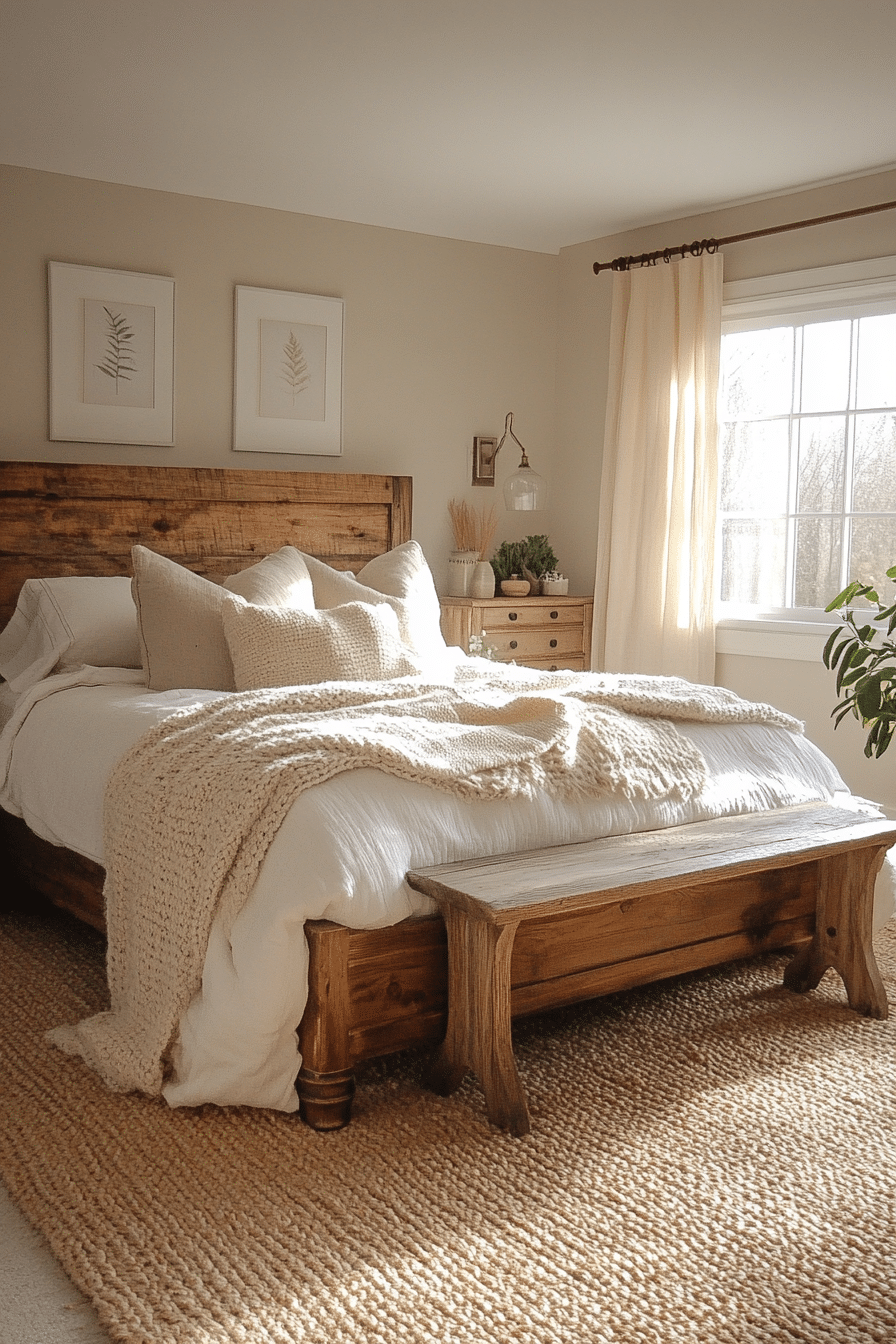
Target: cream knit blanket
(192,808)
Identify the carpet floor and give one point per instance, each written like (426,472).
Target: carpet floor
(712,1159)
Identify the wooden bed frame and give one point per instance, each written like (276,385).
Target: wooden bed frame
(371,993)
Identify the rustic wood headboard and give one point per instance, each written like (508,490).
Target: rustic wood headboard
(69,518)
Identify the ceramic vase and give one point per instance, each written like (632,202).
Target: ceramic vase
(483,584)
(461,565)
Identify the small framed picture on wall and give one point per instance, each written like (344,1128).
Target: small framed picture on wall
(287,372)
(111,356)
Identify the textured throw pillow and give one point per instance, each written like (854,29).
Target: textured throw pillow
(60,624)
(287,647)
(400,579)
(181,631)
(279,580)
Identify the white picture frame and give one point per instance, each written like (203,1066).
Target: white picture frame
(287,381)
(111,356)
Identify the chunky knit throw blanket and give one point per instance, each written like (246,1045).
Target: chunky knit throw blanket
(192,808)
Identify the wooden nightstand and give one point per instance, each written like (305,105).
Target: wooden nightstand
(543,632)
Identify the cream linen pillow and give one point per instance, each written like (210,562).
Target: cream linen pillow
(287,647)
(60,624)
(279,580)
(180,614)
(400,579)
(181,631)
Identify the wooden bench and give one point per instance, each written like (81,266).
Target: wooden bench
(613,891)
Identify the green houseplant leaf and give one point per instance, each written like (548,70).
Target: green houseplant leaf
(864,659)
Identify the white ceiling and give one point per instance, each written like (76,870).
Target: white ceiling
(528,123)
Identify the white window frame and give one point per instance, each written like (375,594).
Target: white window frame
(854,289)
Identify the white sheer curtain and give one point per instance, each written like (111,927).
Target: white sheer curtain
(654,589)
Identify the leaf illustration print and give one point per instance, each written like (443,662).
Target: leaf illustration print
(294,367)
(118,362)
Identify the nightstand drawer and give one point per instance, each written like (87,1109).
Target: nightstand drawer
(524,645)
(568,664)
(509,615)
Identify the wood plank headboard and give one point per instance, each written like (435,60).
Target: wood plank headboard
(69,518)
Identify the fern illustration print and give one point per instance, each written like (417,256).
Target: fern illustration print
(118,363)
(295,367)
(119,354)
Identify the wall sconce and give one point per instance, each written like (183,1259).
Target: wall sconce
(524,488)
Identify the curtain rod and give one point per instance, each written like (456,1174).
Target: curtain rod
(696,249)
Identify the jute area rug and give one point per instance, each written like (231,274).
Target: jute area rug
(712,1160)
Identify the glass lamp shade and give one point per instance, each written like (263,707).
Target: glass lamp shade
(525,489)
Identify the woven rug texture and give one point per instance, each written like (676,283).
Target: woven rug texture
(712,1161)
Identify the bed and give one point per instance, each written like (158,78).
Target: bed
(373,980)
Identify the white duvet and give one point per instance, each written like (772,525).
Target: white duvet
(341,853)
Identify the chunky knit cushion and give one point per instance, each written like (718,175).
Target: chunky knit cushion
(287,647)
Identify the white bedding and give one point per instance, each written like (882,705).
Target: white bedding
(341,854)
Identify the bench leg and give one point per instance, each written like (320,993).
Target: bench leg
(842,936)
(478,1035)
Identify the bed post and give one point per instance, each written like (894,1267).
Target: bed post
(326,1081)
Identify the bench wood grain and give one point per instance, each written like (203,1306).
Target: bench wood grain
(487,902)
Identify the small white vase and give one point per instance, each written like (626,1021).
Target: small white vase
(461,565)
(483,584)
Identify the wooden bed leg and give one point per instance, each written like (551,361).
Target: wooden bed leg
(326,1081)
(842,936)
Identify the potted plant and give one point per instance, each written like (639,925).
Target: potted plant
(530,559)
(864,658)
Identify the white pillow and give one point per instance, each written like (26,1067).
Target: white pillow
(60,624)
(288,647)
(400,579)
(279,580)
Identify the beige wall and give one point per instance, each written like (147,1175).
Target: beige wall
(442,338)
(585,298)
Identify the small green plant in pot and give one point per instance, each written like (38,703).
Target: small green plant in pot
(864,658)
(530,558)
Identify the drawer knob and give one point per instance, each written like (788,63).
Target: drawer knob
(554,615)
(553,643)
(511,616)
(553,667)
(513,643)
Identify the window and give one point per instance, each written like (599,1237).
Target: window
(807,437)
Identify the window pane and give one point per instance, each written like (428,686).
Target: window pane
(757,373)
(873,550)
(874,475)
(817,570)
(754,466)
(822,444)
(753,551)
(877,361)
(825,381)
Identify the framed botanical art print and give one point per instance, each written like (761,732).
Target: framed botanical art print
(287,372)
(111,356)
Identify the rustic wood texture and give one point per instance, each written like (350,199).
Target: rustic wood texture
(551,633)
(843,933)
(568,892)
(61,519)
(326,1082)
(478,1031)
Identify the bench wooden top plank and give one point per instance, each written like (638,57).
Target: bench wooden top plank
(568,877)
